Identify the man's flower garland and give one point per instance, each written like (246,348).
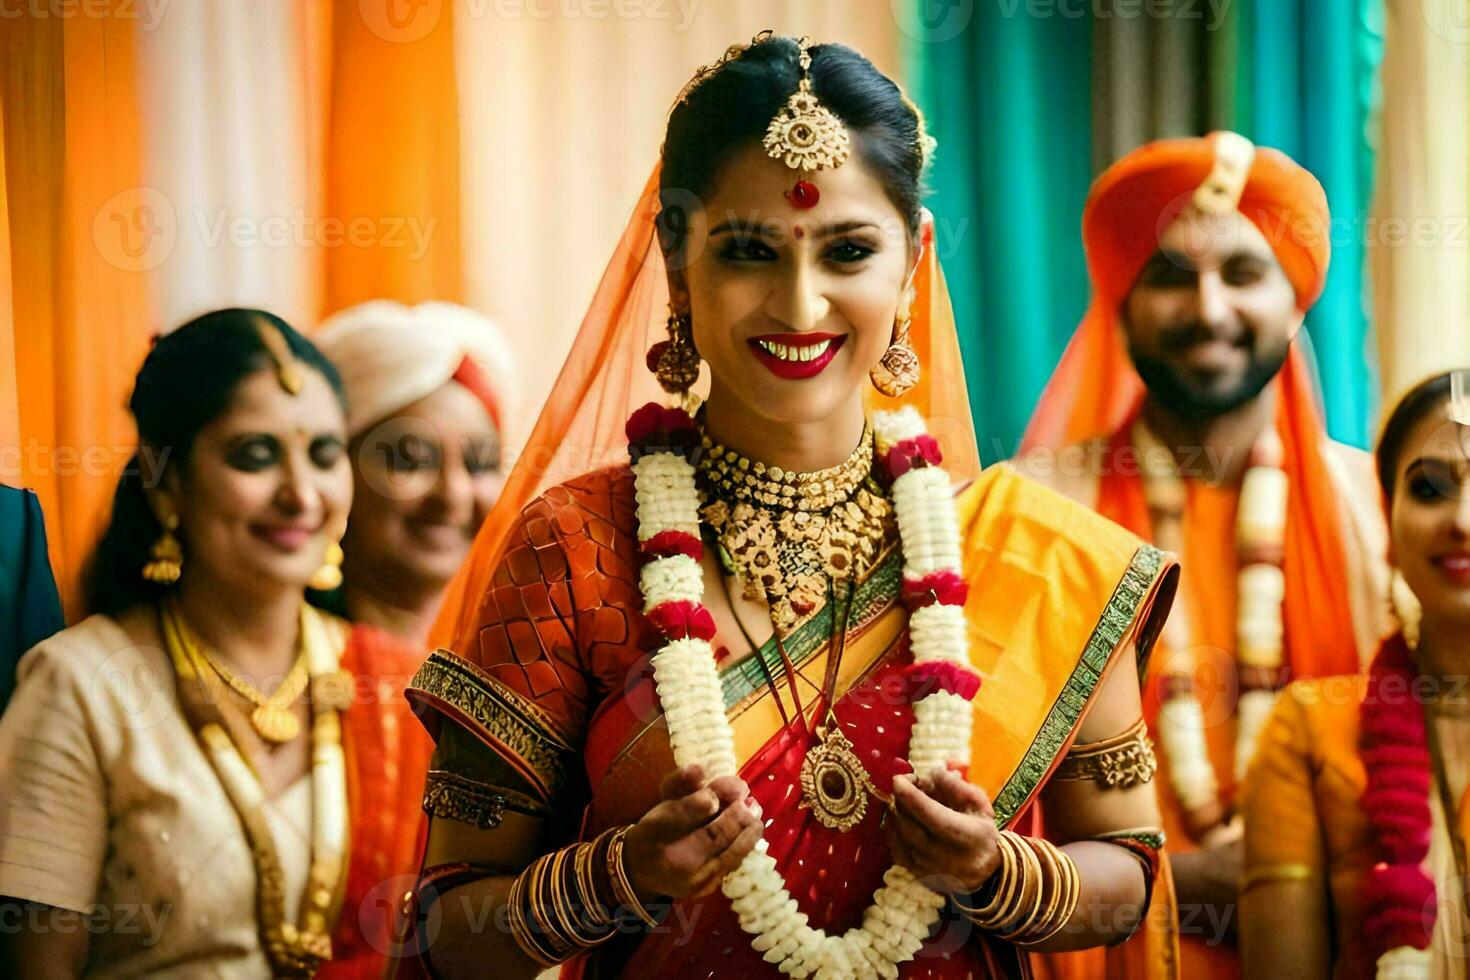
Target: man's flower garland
(1260,593)
(660,442)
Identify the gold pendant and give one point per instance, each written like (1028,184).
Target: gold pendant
(834,784)
(275,724)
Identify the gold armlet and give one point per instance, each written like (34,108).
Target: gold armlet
(452,796)
(1117,763)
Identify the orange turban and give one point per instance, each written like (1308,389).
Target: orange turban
(1095,388)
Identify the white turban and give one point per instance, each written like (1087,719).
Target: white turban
(391,355)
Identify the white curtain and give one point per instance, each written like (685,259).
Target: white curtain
(232,146)
(1419,242)
(561,119)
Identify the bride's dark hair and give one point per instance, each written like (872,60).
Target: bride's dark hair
(729,105)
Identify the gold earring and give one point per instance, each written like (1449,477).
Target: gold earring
(329,576)
(1405,607)
(675,362)
(165,558)
(898,370)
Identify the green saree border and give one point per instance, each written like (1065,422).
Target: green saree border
(875,592)
(1117,616)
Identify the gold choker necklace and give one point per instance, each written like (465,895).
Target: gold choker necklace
(791,536)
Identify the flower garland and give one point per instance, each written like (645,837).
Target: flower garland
(660,442)
(1395,747)
(1260,590)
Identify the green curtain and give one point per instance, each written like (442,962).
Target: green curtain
(1008,100)
(1309,90)
(1025,109)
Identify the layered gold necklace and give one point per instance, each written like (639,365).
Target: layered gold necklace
(790,536)
(294,949)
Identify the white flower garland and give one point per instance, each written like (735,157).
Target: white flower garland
(904,910)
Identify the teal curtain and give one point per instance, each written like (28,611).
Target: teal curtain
(1018,106)
(1306,84)
(1008,100)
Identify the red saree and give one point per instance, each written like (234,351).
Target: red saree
(554,678)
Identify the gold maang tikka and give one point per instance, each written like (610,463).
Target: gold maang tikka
(288,369)
(806,135)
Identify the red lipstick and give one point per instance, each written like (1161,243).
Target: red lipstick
(797,356)
(1455,566)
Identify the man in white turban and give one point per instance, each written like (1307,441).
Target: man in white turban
(428,391)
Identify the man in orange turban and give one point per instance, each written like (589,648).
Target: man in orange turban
(1184,409)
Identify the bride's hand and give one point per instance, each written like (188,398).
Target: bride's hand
(943,827)
(697,835)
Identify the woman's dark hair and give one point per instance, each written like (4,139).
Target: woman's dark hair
(187,381)
(729,106)
(1422,399)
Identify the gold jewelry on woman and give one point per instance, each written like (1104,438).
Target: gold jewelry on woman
(329,576)
(570,900)
(288,368)
(675,362)
(805,134)
(898,370)
(1119,762)
(165,558)
(272,717)
(292,949)
(789,535)
(1033,893)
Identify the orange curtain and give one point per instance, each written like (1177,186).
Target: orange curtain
(78,322)
(393,154)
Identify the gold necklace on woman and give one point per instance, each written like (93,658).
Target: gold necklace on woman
(271,717)
(793,537)
(789,535)
(292,949)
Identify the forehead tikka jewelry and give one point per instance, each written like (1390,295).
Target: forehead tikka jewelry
(806,135)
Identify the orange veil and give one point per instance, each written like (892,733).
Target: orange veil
(605,379)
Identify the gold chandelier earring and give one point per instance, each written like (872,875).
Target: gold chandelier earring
(898,370)
(675,362)
(165,559)
(329,576)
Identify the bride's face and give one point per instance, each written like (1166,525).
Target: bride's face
(792,307)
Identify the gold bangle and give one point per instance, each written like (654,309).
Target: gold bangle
(622,887)
(1028,902)
(1004,877)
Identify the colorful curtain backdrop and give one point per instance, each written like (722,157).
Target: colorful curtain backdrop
(1030,101)
(1421,250)
(82,230)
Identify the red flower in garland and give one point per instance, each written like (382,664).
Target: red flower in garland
(944,587)
(666,544)
(656,428)
(1394,744)
(910,454)
(941,675)
(681,619)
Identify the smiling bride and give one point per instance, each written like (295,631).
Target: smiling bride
(786,689)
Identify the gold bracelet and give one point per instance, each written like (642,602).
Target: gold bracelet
(622,887)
